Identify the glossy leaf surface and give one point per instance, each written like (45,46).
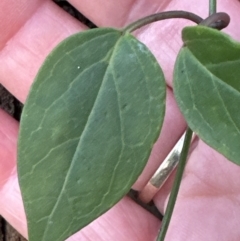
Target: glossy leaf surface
(207,88)
(87,129)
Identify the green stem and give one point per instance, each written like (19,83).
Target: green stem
(176,185)
(161,16)
(212,7)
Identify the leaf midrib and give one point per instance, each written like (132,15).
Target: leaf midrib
(72,163)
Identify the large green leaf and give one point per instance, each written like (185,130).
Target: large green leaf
(207,88)
(87,129)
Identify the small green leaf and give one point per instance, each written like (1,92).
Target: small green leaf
(207,88)
(87,129)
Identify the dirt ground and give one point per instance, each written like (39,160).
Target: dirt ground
(13,107)
(7,233)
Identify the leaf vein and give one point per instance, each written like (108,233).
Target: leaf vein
(226,109)
(192,97)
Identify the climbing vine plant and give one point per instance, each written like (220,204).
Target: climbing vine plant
(97,107)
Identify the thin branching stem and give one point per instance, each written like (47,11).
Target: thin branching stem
(176,185)
(212,7)
(162,16)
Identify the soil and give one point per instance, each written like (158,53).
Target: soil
(13,107)
(7,233)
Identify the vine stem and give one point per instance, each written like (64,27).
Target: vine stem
(212,7)
(176,185)
(162,16)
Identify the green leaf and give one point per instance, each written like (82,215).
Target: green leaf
(207,88)
(87,129)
